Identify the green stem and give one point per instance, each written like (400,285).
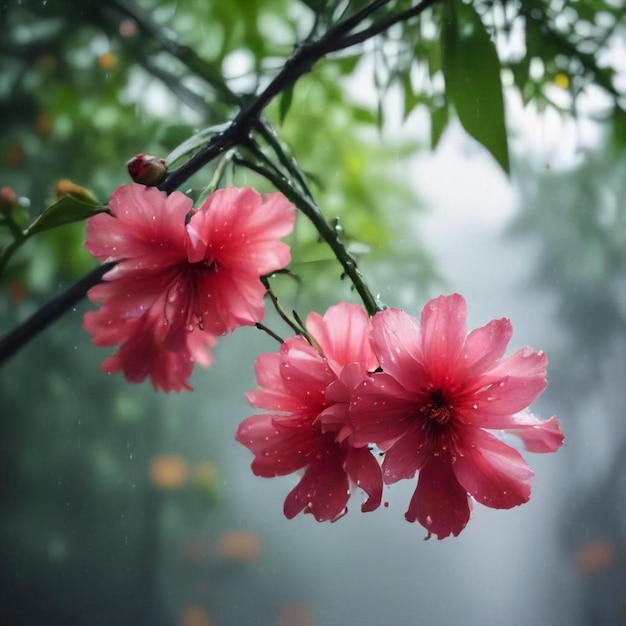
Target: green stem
(269,332)
(307,206)
(9,251)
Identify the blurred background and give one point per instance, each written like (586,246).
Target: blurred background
(123,506)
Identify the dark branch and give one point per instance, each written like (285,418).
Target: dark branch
(38,322)
(238,132)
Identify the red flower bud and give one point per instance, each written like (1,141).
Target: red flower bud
(146,169)
(8,198)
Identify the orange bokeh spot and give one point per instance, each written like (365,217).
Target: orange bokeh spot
(44,125)
(239,545)
(107,61)
(195,616)
(595,556)
(14,154)
(168,472)
(17,291)
(48,63)
(295,614)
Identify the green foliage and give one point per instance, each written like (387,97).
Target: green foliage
(472,72)
(66,210)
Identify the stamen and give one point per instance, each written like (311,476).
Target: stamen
(437,409)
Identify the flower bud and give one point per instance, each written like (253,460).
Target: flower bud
(66,187)
(146,169)
(8,198)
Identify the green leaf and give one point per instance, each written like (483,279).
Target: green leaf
(471,70)
(64,211)
(438,123)
(285,104)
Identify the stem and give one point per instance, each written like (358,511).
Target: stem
(382,26)
(8,252)
(279,309)
(307,206)
(269,331)
(237,133)
(298,64)
(40,320)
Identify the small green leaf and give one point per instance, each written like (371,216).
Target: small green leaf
(471,70)
(438,123)
(285,104)
(64,211)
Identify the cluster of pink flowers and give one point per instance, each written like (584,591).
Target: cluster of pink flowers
(425,394)
(182,275)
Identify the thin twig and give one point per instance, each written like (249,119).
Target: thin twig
(307,206)
(238,132)
(382,26)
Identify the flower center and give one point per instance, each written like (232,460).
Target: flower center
(436,408)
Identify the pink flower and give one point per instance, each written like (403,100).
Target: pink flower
(176,285)
(307,393)
(440,391)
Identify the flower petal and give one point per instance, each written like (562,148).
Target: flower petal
(364,471)
(509,388)
(397,344)
(343,335)
(494,473)
(407,455)
(484,346)
(142,355)
(304,372)
(443,333)
(148,225)
(323,491)
(272,394)
(280,445)
(381,409)
(439,502)
(537,435)
(238,228)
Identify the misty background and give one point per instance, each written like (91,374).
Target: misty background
(121,505)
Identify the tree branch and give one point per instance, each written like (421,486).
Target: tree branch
(47,314)
(238,132)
